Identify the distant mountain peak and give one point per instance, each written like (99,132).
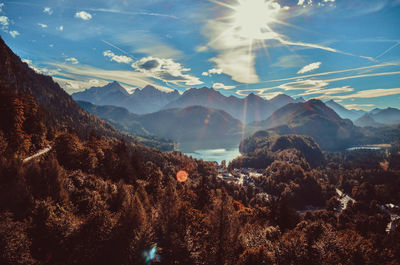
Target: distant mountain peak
(253,96)
(149,87)
(281,96)
(117,87)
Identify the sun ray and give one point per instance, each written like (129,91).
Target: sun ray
(222,4)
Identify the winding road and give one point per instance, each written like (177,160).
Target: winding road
(37,154)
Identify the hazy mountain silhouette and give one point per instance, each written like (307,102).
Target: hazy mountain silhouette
(146,100)
(367,121)
(343,112)
(315,119)
(248,109)
(387,116)
(191,123)
(379,117)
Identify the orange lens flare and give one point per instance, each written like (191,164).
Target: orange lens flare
(182,176)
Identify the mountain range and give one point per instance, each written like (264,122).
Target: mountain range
(195,123)
(344,112)
(150,99)
(379,118)
(141,101)
(247,110)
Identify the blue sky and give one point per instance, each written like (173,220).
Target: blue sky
(344,50)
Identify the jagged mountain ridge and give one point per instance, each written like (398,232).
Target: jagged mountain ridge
(141,101)
(150,99)
(379,117)
(248,109)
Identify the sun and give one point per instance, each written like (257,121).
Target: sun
(251,19)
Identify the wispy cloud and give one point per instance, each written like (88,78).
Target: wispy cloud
(222,86)
(42,25)
(48,10)
(358,106)
(387,50)
(132,13)
(333,72)
(117,58)
(150,44)
(60,28)
(83,72)
(309,68)
(289,61)
(115,46)
(72,60)
(372,93)
(83,15)
(322,88)
(1,7)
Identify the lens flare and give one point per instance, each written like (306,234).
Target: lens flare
(182,176)
(151,255)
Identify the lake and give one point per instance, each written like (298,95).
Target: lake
(369,147)
(212,150)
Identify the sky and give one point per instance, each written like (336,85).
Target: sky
(345,50)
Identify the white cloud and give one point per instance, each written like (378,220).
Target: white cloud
(371,67)
(60,28)
(72,60)
(72,86)
(222,86)
(48,10)
(117,58)
(309,68)
(166,70)
(233,53)
(300,3)
(358,106)
(70,72)
(371,93)
(14,33)
(1,7)
(42,25)
(83,15)
(216,71)
(4,21)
